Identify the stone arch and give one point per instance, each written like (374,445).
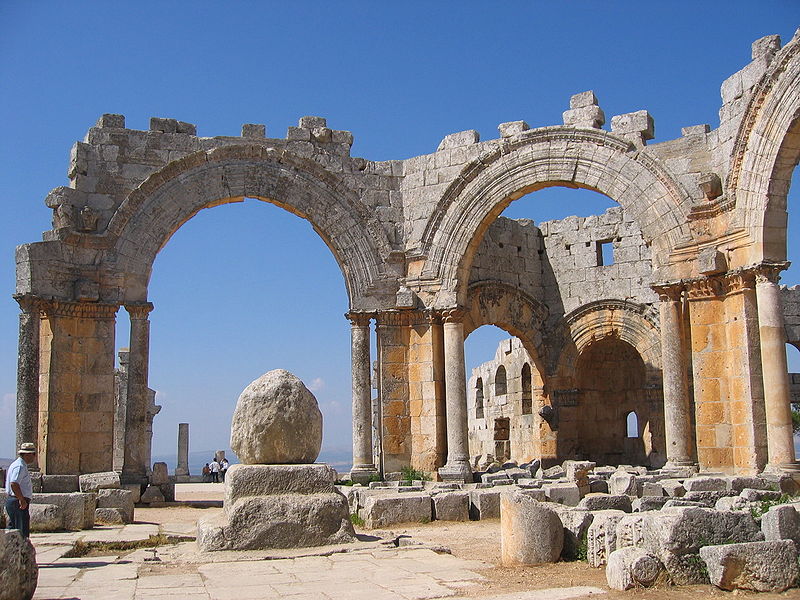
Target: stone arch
(540,158)
(157,208)
(766,151)
(492,302)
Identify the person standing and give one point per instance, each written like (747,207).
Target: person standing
(214,465)
(19,489)
(223,468)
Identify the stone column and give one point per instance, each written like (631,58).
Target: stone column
(677,420)
(135,467)
(182,470)
(457,467)
(363,461)
(28,373)
(780,440)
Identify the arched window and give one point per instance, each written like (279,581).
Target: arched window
(527,399)
(479,398)
(632,423)
(500,385)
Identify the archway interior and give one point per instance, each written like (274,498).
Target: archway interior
(240,290)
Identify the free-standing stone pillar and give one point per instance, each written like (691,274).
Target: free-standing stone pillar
(780,440)
(28,372)
(182,470)
(135,467)
(363,461)
(457,467)
(677,420)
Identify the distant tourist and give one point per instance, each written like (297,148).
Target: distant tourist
(223,468)
(19,489)
(206,474)
(214,466)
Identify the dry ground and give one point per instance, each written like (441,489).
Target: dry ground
(478,540)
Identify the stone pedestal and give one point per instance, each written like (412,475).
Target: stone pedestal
(278,506)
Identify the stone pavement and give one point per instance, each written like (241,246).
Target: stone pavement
(369,570)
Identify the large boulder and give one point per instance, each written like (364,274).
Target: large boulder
(759,566)
(531,533)
(276,421)
(19,573)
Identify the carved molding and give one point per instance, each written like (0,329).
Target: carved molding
(453,315)
(80,310)
(30,304)
(139,311)
(669,292)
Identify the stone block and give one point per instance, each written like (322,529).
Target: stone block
(254,130)
(652,488)
(583,99)
(512,128)
(639,122)
(673,488)
(119,499)
(312,122)
(622,483)
(695,130)
(461,138)
(168,490)
(110,516)
(576,523)
(589,117)
(765,46)
(76,507)
(601,537)
(451,506)
(111,120)
(556,472)
(750,495)
(135,489)
(160,474)
(390,509)
(243,481)
(769,566)
(531,533)
(152,495)
(492,477)
(781,522)
(648,503)
(59,484)
(606,502)
(163,125)
(708,499)
(484,504)
(598,486)
(91,482)
(628,568)
(630,530)
(568,494)
(46,517)
(19,572)
(186,128)
(739,483)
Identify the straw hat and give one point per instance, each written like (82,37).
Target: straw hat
(27,448)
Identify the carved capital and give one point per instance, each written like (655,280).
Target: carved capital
(80,310)
(669,292)
(704,288)
(739,281)
(391,318)
(769,272)
(432,317)
(29,304)
(139,310)
(453,315)
(358,319)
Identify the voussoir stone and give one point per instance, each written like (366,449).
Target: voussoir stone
(276,421)
(19,573)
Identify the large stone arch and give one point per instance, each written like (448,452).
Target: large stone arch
(497,303)
(157,208)
(766,151)
(544,157)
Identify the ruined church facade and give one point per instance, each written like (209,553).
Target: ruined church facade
(691,306)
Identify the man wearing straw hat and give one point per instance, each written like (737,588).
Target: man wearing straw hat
(20,490)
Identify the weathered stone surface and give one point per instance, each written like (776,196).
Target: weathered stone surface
(781,522)
(707,498)
(646,503)
(601,538)
(630,530)
(451,506)
(484,504)
(531,533)
(568,494)
(244,481)
(276,420)
(622,483)
(554,472)
(77,508)
(739,483)
(160,474)
(606,502)
(110,516)
(576,523)
(19,573)
(631,567)
(59,484)
(46,517)
(705,484)
(91,482)
(769,566)
(673,488)
(279,521)
(152,495)
(118,499)
(389,509)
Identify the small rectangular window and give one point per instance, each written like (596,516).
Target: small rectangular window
(605,253)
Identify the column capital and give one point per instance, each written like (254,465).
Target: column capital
(29,303)
(453,315)
(769,272)
(358,319)
(432,317)
(79,310)
(139,310)
(669,292)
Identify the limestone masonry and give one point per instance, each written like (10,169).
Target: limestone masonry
(686,329)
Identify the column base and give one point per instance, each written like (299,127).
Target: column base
(681,468)
(456,471)
(180,471)
(792,469)
(363,474)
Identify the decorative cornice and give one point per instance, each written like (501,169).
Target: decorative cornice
(80,310)
(732,282)
(391,318)
(669,292)
(29,303)
(711,208)
(358,319)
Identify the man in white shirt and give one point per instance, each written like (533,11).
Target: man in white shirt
(214,465)
(19,489)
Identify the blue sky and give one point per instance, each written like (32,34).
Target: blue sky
(242,289)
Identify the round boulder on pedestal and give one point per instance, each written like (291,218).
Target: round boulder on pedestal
(276,421)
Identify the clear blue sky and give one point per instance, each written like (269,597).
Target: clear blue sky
(243,289)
